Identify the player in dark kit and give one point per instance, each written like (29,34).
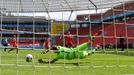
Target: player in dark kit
(122,40)
(4,43)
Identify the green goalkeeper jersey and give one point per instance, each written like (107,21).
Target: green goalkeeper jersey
(70,53)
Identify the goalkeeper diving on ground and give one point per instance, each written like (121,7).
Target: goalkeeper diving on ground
(80,51)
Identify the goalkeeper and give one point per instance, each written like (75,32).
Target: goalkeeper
(80,51)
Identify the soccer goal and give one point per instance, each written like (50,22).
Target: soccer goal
(66,37)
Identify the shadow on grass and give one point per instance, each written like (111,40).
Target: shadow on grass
(71,63)
(125,53)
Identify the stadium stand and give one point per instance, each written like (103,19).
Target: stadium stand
(122,28)
(82,28)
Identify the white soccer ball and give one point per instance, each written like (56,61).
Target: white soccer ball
(29,57)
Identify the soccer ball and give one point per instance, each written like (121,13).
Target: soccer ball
(29,57)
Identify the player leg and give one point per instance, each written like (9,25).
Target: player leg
(122,47)
(83,49)
(10,50)
(71,44)
(15,47)
(5,49)
(17,50)
(5,45)
(86,45)
(67,44)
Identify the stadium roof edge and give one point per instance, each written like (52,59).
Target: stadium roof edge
(56,5)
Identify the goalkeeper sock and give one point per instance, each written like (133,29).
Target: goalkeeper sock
(91,38)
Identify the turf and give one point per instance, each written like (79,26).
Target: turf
(99,63)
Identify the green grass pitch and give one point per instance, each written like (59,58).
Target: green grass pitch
(99,63)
